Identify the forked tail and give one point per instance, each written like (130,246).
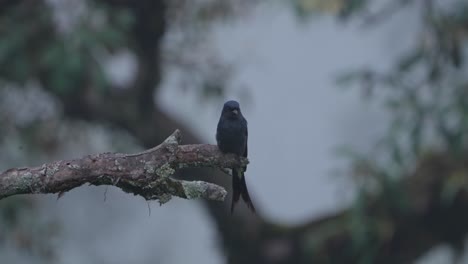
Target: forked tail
(239,188)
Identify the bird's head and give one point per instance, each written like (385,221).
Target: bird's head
(231,109)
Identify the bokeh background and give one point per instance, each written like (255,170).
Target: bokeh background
(357,115)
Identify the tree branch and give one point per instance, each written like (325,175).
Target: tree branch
(398,224)
(145,173)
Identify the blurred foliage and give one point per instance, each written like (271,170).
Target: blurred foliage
(54,51)
(61,54)
(426,94)
(22,228)
(61,45)
(71,41)
(369,11)
(305,8)
(426,89)
(189,51)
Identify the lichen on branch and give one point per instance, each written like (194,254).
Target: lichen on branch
(147,174)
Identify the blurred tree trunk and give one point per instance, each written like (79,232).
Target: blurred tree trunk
(134,109)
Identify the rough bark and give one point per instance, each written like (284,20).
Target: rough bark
(146,173)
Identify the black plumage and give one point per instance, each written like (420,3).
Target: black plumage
(231,136)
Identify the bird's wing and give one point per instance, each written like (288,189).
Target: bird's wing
(217,131)
(217,138)
(246,140)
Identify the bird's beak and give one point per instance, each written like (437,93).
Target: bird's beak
(235,111)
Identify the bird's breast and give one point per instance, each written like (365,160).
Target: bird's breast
(231,137)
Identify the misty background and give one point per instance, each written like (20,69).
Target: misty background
(281,65)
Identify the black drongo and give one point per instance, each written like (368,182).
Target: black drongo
(231,136)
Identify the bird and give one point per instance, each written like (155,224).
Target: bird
(231,137)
